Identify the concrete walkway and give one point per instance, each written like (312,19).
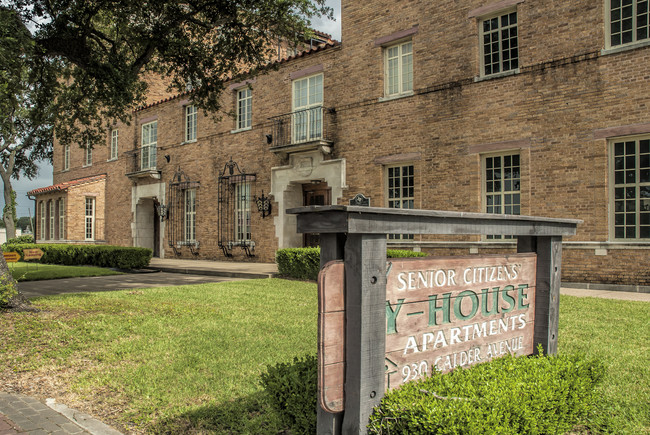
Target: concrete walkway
(26,415)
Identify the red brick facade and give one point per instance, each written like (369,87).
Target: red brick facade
(559,111)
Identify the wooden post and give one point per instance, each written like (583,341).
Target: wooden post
(365,302)
(331,248)
(547,301)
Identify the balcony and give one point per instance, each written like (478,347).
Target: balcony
(142,163)
(303,130)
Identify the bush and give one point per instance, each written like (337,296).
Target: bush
(291,388)
(92,255)
(304,263)
(509,395)
(25,238)
(7,289)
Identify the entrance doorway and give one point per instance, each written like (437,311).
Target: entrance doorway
(315,194)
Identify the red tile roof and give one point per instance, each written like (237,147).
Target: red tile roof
(65,185)
(317,48)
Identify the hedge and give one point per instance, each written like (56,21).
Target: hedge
(508,395)
(118,257)
(304,263)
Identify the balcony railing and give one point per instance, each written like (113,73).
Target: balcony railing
(142,162)
(302,128)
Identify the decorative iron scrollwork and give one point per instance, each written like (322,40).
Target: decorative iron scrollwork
(263,205)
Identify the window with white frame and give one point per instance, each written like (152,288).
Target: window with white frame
(630,189)
(149,145)
(307,116)
(41,229)
(88,155)
(114,141)
(628,21)
(50,209)
(398,66)
(66,157)
(190,123)
(190,215)
(499,43)
(244,108)
(502,186)
(90,219)
(243,212)
(400,185)
(61,218)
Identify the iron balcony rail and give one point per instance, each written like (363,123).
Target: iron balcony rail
(142,159)
(302,126)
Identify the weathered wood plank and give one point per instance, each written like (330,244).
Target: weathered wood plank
(365,284)
(547,307)
(375,220)
(332,248)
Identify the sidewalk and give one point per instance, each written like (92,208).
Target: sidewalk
(229,269)
(25,415)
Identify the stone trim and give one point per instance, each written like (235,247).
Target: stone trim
(379,42)
(494,7)
(241,84)
(624,130)
(306,71)
(148,119)
(398,158)
(500,146)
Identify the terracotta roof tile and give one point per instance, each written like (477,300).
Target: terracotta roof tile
(65,185)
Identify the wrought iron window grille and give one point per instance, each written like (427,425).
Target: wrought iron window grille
(235,223)
(182,207)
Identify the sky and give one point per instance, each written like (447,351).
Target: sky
(44,177)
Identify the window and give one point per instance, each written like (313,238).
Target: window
(499,47)
(41,231)
(631,188)
(401,191)
(307,116)
(244,108)
(90,219)
(50,212)
(190,123)
(628,21)
(149,145)
(243,212)
(61,218)
(66,157)
(399,69)
(88,155)
(190,215)
(114,139)
(502,188)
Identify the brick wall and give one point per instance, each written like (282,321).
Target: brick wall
(565,90)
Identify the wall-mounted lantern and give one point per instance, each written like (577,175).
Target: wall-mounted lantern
(163,211)
(263,205)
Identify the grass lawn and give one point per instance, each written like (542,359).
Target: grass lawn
(188,359)
(23,271)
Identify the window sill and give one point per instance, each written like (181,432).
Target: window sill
(65,170)
(114,159)
(627,47)
(86,166)
(239,130)
(497,75)
(188,141)
(396,97)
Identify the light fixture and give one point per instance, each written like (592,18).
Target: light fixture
(163,211)
(263,205)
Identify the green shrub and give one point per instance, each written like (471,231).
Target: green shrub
(25,238)
(304,263)
(291,388)
(119,257)
(7,289)
(540,395)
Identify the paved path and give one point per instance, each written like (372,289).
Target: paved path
(113,282)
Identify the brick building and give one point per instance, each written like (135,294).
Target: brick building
(537,108)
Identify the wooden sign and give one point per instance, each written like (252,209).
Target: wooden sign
(32,254)
(11,257)
(441,313)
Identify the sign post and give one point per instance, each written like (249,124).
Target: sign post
(357,235)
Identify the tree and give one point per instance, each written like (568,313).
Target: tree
(82,64)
